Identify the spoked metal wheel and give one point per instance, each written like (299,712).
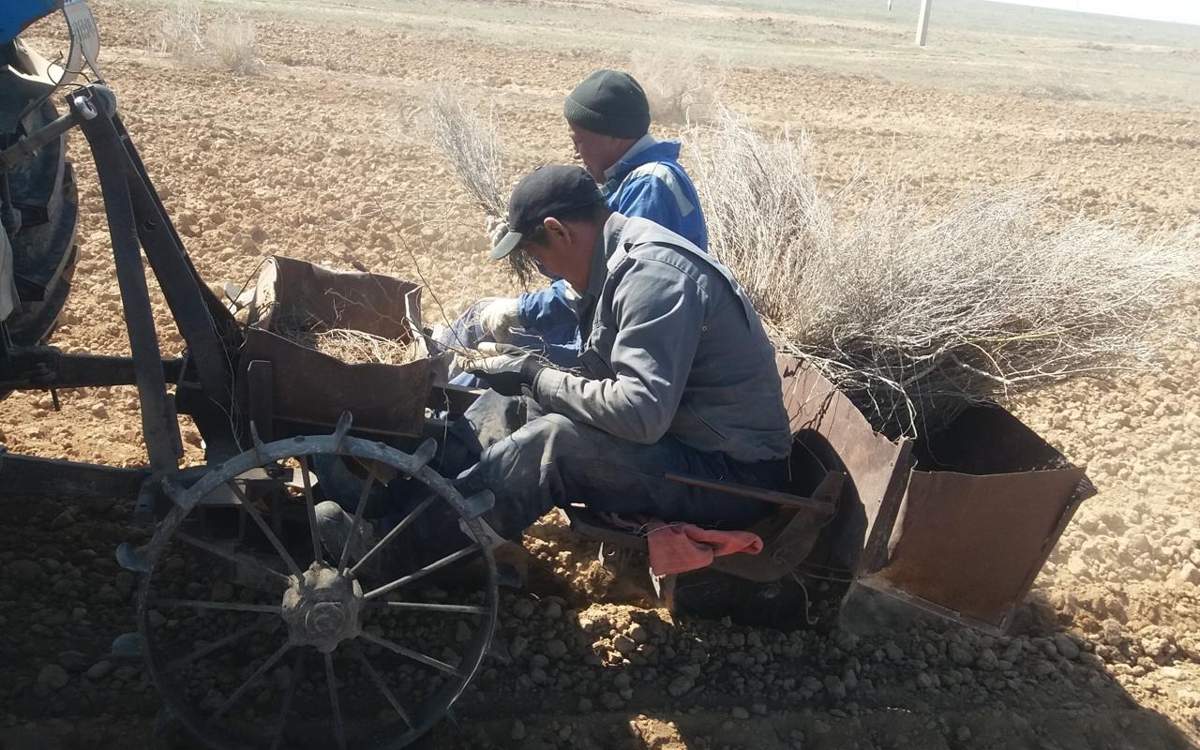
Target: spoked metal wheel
(258,634)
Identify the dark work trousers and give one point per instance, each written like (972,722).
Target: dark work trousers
(533,461)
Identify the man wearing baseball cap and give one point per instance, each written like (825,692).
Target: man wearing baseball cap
(609,119)
(676,374)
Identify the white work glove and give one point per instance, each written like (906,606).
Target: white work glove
(497,316)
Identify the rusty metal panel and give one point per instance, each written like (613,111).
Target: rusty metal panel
(368,302)
(981,514)
(310,389)
(827,423)
(957,527)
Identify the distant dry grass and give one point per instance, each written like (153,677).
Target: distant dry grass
(228,43)
(232,44)
(679,90)
(180,31)
(916,312)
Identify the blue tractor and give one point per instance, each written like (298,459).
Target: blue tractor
(38,206)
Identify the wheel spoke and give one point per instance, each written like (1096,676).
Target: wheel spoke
(395,532)
(204,651)
(233,557)
(273,609)
(462,609)
(358,515)
(311,506)
(414,655)
(383,688)
(264,527)
(297,676)
(431,567)
(333,702)
(233,697)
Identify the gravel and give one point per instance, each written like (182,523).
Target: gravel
(1066,646)
(51,677)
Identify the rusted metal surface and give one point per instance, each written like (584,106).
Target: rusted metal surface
(29,476)
(313,389)
(788,535)
(983,510)
(368,302)
(826,422)
(957,528)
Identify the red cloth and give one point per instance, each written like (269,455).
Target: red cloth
(680,547)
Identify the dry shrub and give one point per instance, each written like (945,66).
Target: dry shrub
(679,90)
(229,43)
(916,313)
(471,143)
(180,30)
(360,347)
(232,44)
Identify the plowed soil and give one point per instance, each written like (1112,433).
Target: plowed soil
(322,156)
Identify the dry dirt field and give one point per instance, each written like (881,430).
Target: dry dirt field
(321,156)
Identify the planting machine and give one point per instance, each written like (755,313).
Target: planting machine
(256,633)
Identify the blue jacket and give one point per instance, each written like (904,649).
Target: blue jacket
(648,182)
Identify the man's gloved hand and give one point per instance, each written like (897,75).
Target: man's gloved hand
(506,369)
(497,316)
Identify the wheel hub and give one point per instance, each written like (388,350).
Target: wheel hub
(322,608)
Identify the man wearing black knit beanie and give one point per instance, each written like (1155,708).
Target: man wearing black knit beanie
(609,119)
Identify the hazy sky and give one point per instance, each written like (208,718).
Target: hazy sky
(1180,11)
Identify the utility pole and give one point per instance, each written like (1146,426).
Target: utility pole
(923,22)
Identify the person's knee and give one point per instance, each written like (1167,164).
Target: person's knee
(552,428)
(329,513)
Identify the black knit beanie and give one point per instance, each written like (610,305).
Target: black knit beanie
(609,102)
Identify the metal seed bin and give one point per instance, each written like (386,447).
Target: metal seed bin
(290,386)
(957,527)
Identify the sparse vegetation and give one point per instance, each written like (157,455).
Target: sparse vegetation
(227,42)
(679,91)
(231,43)
(180,30)
(470,142)
(916,313)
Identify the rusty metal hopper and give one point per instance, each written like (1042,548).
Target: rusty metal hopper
(957,527)
(292,388)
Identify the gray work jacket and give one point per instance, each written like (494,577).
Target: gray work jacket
(672,347)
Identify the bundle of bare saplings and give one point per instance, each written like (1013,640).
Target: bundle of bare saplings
(915,311)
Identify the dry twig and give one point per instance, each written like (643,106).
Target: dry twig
(471,143)
(916,318)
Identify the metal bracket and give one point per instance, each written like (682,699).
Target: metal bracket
(478,504)
(174,490)
(127,646)
(258,443)
(425,453)
(489,539)
(339,432)
(131,558)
